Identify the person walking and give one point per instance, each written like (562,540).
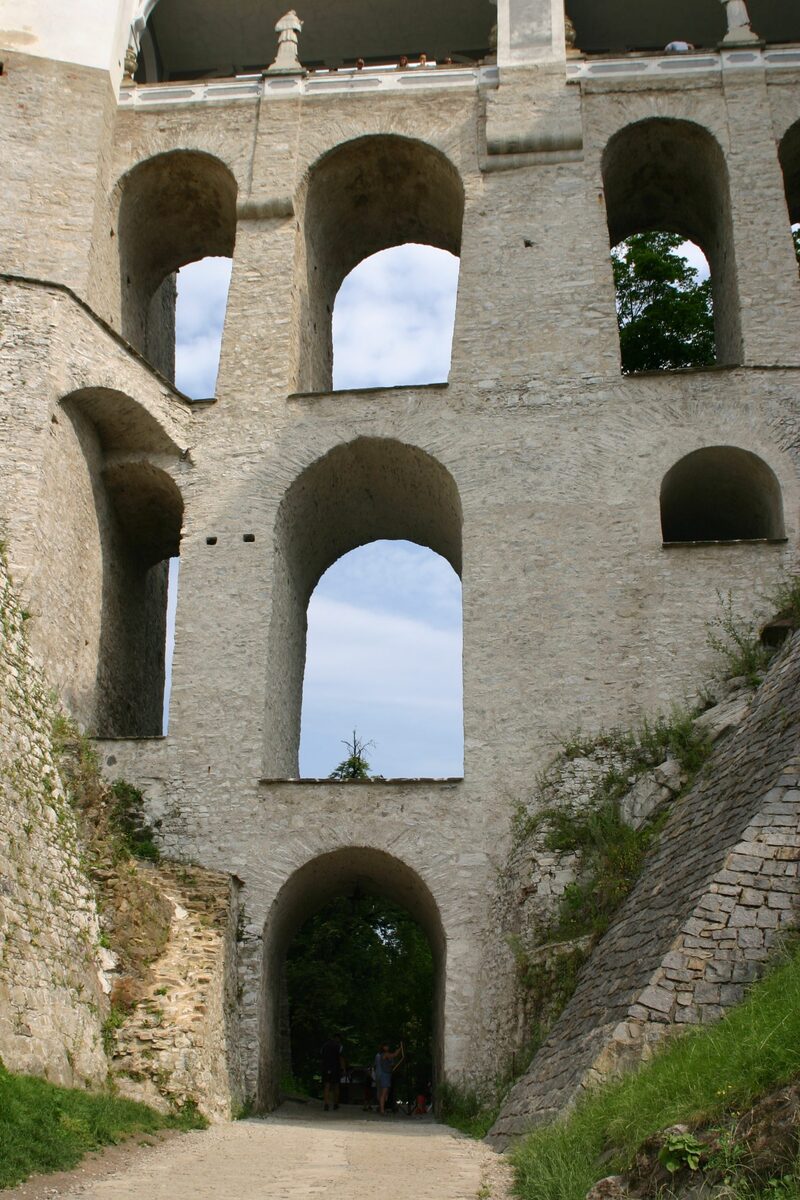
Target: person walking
(333,1067)
(384,1066)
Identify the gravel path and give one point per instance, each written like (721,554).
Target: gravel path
(301,1154)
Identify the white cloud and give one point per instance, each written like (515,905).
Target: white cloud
(696,259)
(393,319)
(394,677)
(199,318)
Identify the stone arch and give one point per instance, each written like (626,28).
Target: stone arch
(358,492)
(721,494)
(789,153)
(362,197)
(131,530)
(669,175)
(304,893)
(174,208)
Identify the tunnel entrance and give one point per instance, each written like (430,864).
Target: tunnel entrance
(354,948)
(359,969)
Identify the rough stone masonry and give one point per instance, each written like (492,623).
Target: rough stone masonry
(546,478)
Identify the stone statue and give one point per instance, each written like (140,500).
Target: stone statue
(570,32)
(287,61)
(739,29)
(131,61)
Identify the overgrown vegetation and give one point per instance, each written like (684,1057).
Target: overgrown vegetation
(44,1128)
(713,1081)
(743,651)
(612,853)
(134,916)
(473,1110)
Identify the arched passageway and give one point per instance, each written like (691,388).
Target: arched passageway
(122,534)
(175,208)
(360,492)
(670,176)
(721,494)
(365,196)
(346,872)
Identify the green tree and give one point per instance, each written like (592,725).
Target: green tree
(665,313)
(355,766)
(361,967)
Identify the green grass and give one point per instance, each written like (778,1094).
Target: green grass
(471,1111)
(697,1078)
(44,1128)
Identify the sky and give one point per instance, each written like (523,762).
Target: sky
(384,623)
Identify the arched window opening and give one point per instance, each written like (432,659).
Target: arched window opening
(142,541)
(790,163)
(174,209)
(669,176)
(117,524)
(384,657)
(385,924)
(173,580)
(362,491)
(393,319)
(202,297)
(721,494)
(366,196)
(664,304)
(361,969)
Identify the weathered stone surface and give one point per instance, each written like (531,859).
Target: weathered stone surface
(536,469)
(681,953)
(52,977)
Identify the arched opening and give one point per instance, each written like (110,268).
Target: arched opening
(669,176)
(384,658)
(665,310)
(131,533)
(721,494)
(363,197)
(174,209)
(790,163)
(202,298)
(148,514)
(362,491)
(349,875)
(393,319)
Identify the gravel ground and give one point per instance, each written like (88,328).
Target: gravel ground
(298,1153)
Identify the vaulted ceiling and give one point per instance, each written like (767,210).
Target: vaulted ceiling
(209,37)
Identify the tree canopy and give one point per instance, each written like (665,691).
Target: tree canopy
(355,766)
(363,968)
(665,312)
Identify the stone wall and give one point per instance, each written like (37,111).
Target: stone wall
(573,609)
(180,1044)
(720,888)
(52,991)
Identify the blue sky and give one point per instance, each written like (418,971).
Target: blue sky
(384,623)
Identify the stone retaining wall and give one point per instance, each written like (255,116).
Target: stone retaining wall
(180,1043)
(52,991)
(721,887)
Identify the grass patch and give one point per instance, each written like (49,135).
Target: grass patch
(695,1079)
(471,1111)
(44,1128)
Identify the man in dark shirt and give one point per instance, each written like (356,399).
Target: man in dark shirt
(333,1066)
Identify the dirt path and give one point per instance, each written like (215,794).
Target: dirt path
(302,1155)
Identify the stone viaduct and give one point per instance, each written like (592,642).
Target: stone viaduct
(593,517)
